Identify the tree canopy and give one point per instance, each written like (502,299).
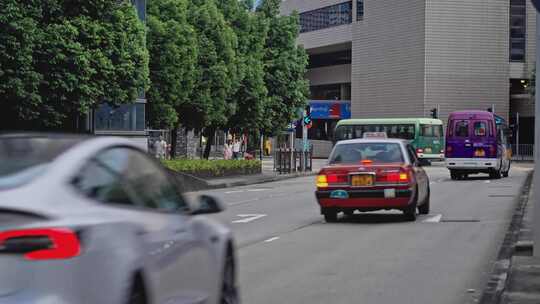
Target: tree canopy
(59,59)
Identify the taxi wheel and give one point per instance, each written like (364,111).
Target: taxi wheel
(453,175)
(410,212)
(330,216)
(348,212)
(424,208)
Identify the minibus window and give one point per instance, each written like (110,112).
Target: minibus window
(437,131)
(462,128)
(480,128)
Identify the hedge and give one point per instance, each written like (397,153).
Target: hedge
(214,168)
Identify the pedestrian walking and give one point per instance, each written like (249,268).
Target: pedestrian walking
(236,149)
(227,150)
(160,148)
(267,147)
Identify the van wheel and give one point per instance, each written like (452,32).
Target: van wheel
(137,294)
(495,174)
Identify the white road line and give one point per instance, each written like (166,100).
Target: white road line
(487,182)
(257,190)
(246,218)
(235,191)
(272,239)
(433,219)
(431,183)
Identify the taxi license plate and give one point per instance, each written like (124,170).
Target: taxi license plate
(362,180)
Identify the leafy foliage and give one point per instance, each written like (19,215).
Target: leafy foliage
(172,43)
(60,58)
(284,68)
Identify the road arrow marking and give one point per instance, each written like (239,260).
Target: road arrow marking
(434,219)
(246,218)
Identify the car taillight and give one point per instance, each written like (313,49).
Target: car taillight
(493,150)
(41,244)
(442,151)
(419,151)
(448,151)
(328,179)
(322,181)
(393,177)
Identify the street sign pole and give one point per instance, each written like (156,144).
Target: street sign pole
(304,143)
(536,185)
(516,126)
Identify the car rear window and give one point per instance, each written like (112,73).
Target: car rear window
(431,130)
(480,128)
(24,158)
(461,128)
(376,152)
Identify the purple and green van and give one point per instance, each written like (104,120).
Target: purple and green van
(476,143)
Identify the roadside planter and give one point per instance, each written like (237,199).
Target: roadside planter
(214,168)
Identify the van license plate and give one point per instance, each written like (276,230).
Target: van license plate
(362,180)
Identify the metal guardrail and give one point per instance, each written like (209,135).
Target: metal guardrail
(287,161)
(523,152)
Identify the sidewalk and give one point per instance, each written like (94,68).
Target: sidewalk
(523,285)
(516,276)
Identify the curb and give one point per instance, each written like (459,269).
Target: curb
(496,285)
(259,181)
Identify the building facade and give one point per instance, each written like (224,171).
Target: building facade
(394,58)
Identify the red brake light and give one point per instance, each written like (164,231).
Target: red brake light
(448,151)
(41,244)
(336,178)
(419,151)
(393,177)
(367,162)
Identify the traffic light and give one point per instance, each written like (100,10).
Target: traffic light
(434,113)
(307,117)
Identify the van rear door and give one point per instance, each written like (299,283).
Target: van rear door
(459,142)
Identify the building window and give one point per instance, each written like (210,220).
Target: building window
(326,17)
(518,20)
(359,9)
(129,117)
(329,59)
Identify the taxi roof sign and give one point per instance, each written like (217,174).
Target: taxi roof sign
(375,135)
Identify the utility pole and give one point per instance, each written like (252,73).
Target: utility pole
(536,181)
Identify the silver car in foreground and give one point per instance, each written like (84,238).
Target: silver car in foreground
(95,220)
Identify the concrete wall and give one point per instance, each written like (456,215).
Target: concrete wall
(329,75)
(530,54)
(467,55)
(388,59)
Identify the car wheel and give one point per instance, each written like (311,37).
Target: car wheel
(348,212)
(229,290)
(330,216)
(507,172)
(424,208)
(495,174)
(137,294)
(410,211)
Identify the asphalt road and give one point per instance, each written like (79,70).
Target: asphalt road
(288,254)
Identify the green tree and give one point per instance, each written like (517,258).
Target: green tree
(250,93)
(218,73)
(285,68)
(172,44)
(59,59)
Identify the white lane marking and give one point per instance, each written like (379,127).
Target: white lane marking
(246,218)
(272,239)
(487,182)
(434,219)
(235,191)
(257,190)
(431,183)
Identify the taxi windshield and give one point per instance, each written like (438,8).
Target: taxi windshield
(376,152)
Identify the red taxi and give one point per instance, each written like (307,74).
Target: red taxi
(372,174)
